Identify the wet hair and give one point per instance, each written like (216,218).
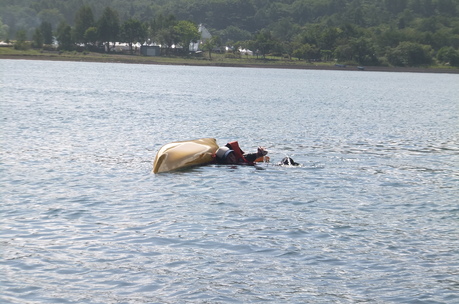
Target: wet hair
(289,162)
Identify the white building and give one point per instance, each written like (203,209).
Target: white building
(205,35)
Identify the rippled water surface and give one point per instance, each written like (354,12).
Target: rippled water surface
(370,216)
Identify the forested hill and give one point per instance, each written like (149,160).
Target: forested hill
(246,15)
(341,27)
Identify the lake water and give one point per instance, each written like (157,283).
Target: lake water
(370,216)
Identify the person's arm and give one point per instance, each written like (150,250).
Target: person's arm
(251,157)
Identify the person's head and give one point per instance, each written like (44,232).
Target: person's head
(288,161)
(225,156)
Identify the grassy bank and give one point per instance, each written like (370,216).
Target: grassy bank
(217,60)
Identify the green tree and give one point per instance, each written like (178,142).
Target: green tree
(405,18)
(211,44)
(161,30)
(64,37)
(52,16)
(91,36)
(344,52)
(390,38)
(394,6)
(326,55)
(448,55)
(47,32)
(186,32)
(288,47)
(109,27)
(410,54)
(284,29)
(264,42)
(21,43)
(3,30)
(166,37)
(162,21)
(447,7)
(306,52)
(328,38)
(363,51)
(37,39)
(84,19)
(133,31)
(233,33)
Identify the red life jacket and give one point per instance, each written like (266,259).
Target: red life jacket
(234,145)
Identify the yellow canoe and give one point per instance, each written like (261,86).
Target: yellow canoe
(182,154)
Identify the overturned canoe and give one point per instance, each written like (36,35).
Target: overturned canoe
(182,154)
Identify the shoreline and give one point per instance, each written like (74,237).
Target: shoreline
(128,59)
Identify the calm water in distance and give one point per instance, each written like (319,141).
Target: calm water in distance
(370,216)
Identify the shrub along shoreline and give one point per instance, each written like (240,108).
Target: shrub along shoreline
(218,60)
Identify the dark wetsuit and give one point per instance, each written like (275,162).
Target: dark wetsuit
(247,158)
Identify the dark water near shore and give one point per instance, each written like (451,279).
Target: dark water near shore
(370,216)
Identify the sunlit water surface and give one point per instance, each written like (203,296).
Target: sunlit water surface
(370,216)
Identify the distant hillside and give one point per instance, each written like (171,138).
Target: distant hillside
(246,15)
(364,31)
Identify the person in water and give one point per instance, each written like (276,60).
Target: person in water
(288,161)
(231,154)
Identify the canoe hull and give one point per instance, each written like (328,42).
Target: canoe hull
(183,154)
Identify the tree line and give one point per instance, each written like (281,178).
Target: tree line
(366,32)
(102,34)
